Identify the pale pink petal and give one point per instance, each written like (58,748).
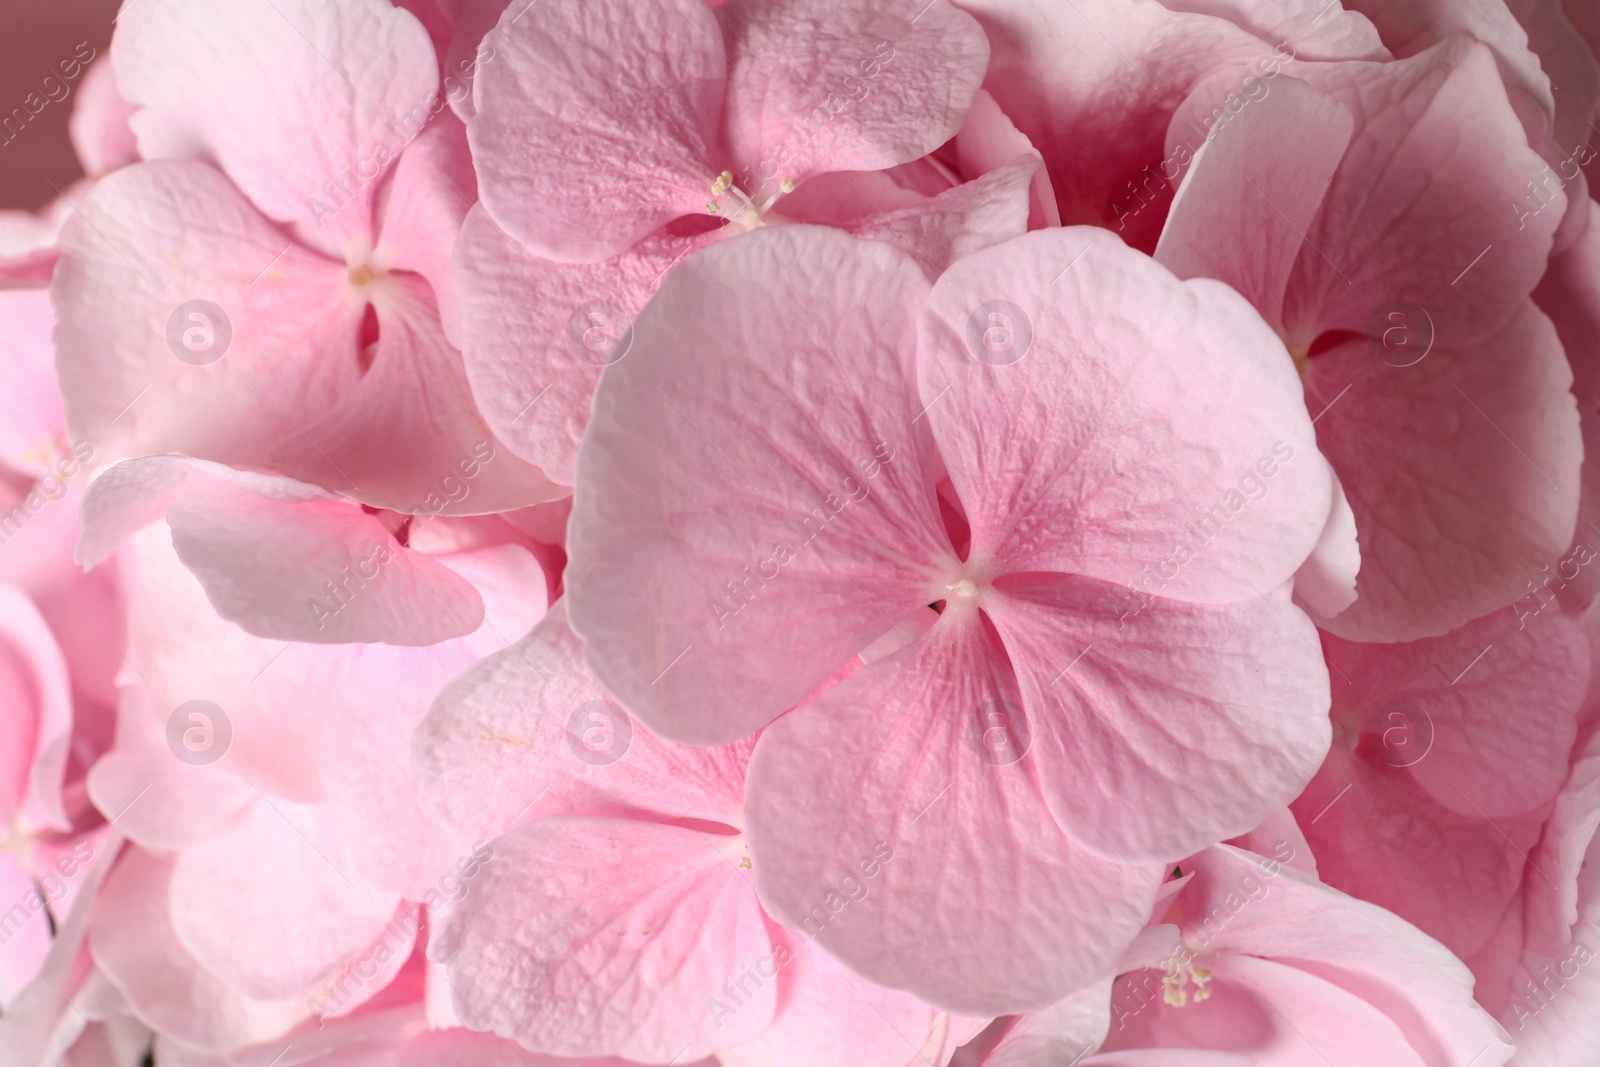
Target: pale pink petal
(831,85)
(536,333)
(99,127)
(1093,85)
(1165,728)
(963,220)
(755,496)
(1325,584)
(1443,702)
(163,803)
(989,141)
(36,723)
(1554,897)
(1416,25)
(1431,182)
(133,942)
(1055,413)
(280,558)
(917,854)
(1070,1027)
(1263,172)
(433,188)
(33,1021)
(530,724)
(471,45)
(146,243)
(28,931)
(408,436)
(1461,469)
(1355,946)
(1379,836)
(588,937)
(302,103)
(266,905)
(597,124)
(829,1015)
(1279,1016)
(1314,30)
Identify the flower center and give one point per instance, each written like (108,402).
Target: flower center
(1175,983)
(361,275)
(741,210)
(965,587)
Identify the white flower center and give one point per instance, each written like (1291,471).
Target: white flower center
(740,209)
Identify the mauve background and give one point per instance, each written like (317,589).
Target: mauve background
(34,35)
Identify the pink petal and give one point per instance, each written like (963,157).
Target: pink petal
(28,930)
(149,240)
(829,1015)
(1066,438)
(590,937)
(1412,27)
(1070,1027)
(776,483)
(1442,702)
(596,124)
(1169,727)
(1461,469)
(918,857)
(1387,841)
(1353,945)
(37,722)
(989,141)
(1314,30)
(408,436)
(1263,171)
(1093,85)
(433,188)
(296,100)
(471,45)
(1554,905)
(264,906)
(162,803)
(133,942)
(963,220)
(99,128)
(266,548)
(1431,182)
(530,724)
(536,333)
(832,85)
(1325,584)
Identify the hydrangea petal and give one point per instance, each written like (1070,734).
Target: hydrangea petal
(1055,414)
(755,498)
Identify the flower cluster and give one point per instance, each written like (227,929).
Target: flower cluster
(795,533)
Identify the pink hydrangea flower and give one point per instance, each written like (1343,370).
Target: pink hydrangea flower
(1251,961)
(1392,249)
(628,891)
(759,497)
(272,288)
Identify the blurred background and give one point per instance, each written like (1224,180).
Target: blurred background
(35,36)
